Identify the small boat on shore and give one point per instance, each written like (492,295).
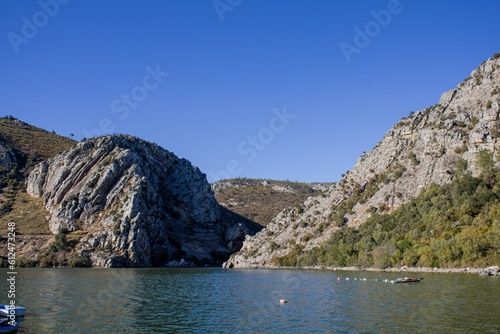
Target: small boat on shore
(406,280)
(8,327)
(5,309)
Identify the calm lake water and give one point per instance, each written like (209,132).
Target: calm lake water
(247,301)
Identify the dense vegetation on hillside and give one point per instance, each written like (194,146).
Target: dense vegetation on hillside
(455,225)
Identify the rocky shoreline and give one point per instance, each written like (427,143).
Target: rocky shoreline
(489,271)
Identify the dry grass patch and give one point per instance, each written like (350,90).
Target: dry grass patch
(29,214)
(75,237)
(33,141)
(261,200)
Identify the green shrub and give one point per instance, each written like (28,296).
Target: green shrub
(78,261)
(60,243)
(455,225)
(24,263)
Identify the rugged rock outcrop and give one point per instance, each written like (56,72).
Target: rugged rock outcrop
(134,203)
(490,271)
(22,146)
(421,149)
(7,156)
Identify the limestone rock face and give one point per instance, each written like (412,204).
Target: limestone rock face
(490,271)
(6,155)
(135,203)
(421,149)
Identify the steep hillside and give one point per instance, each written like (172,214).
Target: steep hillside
(420,150)
(449,226)
(122,201)
(262,200)
(22,146)
(34,143)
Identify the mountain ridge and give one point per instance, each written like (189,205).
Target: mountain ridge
(422,149)
(121,201)
(261,200)
(134,204)
(109,201)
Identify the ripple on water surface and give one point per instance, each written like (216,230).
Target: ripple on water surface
(212,300)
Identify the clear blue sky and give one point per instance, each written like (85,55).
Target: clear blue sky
(89,67)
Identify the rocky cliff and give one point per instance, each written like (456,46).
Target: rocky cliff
(423,148)
(133,203)
(7,155)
